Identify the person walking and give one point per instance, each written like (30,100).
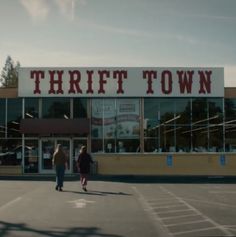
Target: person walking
(60,163)
(83,165)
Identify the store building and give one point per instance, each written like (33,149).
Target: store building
(147,121)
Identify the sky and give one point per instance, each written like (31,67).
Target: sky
(120,33)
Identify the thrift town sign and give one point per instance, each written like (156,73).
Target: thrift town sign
(121,82)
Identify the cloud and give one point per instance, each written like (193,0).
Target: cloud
(40,9)
(37,9)
(67,8)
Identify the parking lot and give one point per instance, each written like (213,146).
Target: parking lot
(118,207)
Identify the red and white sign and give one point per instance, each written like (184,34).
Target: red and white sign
(121,82)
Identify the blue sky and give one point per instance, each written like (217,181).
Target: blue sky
(156,33)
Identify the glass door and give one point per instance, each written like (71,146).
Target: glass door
(48,146)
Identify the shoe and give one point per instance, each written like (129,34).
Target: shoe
(56,188)
(60,189)
(84,188)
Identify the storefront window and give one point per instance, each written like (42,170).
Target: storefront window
(31,108)
(97,145)
(97,125)
(207,129)
(167,125)
(128,125)
(151,125)
(215,130)
(56,108)
(182,123)
(80,107)
(14,115)
(115,125)
(183,138)
(2,118)
(199,125)
(230,125)
(164,119)
(11,151)
(31,156)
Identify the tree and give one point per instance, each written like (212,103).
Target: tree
(9,75)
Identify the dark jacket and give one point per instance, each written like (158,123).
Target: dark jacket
(83,163)
(59,158)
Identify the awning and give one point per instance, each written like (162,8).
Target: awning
(55,126)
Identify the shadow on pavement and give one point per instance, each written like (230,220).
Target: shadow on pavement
(166,179)
(130,178)
(98,193)
(20,229)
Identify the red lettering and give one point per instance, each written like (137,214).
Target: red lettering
(57,82)
(37,75)
(74,83)
(90,82)
(102,81)
(149,75)
(120,75)
(205,82)
(166,82)
(185,81)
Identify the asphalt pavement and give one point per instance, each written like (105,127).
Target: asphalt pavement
(118,207)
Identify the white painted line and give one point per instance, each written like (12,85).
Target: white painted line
(181,216)
(174,211)
(218,226)
(169,206)
(209,203)
(156,219)
(164,198)
(9,204)
(164,203)
(185,223)
(222,192)
(196,230)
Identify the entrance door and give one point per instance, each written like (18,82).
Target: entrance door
(48,146)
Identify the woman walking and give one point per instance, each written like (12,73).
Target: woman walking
(60,163)
(83,164)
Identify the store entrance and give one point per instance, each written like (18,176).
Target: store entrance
(47,148)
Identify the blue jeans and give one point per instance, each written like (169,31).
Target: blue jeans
(60,172)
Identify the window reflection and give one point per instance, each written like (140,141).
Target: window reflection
(117,125)
(230,125)
(31,156)
(10,151)
(56,108)
(2,117)
(80,108)
(31,108)
(14,115)
(163,120)
(174,125)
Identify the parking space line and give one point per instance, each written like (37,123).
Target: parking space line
(218,226)
(150,210)
(186,223)
(180,216)
(222,192)
(209,203)
(196,230)
(174,211)
(163,203)
(169,206)
(8,204)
